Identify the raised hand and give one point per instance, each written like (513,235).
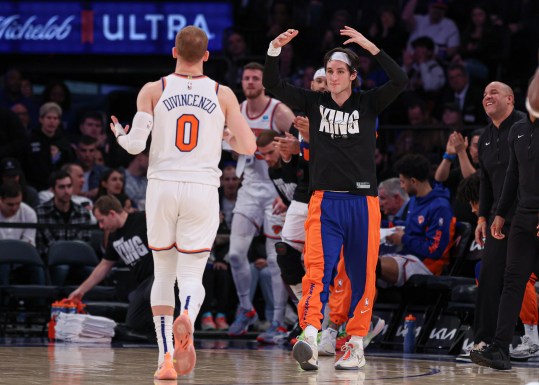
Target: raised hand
(284,38)
(117,128)
(359,39)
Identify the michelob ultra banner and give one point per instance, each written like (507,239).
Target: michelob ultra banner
(109,27)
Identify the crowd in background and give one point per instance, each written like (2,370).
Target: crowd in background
(58,158)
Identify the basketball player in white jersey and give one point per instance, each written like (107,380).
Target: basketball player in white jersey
(254,205)
(186,113)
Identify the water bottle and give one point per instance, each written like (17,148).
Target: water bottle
(409,336)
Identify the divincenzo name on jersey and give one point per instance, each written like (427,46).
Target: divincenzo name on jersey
(181,100)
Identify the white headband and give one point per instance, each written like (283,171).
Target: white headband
(341,56)
(321,73)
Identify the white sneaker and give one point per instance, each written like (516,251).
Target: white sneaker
(465,356)
(352,359)
(524,351)
(328,340)
(305,353)
(378,325)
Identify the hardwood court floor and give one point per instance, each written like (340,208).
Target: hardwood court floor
(224,362)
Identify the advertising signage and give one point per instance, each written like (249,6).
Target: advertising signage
(106,27)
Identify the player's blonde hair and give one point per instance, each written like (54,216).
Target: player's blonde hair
(191,44)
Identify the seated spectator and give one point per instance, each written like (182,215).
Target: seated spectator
(332,36)
(459,161)
(483,47)
(452,117)
(128,242)
(48,148)
(61,210)
(393,202)
(23,114)
(421,138)
(77,177)
(440,29)
(91,124)
(12,94)
(429,228)
(426,76)
(11,171)
(112,183)
(14,210)
(370,73)
(466,96)
(136,181)
(235,50)
(86,149)
(389,32)
(58,92)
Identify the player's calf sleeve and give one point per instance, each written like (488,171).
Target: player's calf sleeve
(190,271)
(289,261)
(162,293)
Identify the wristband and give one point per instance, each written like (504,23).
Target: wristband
(450,157)
(119,130)
(273,51)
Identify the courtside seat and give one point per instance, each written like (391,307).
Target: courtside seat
(29,298)
(462,298)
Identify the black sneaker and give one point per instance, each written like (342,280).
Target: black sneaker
(492,356)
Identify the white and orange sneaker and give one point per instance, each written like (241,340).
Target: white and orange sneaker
(166,370)
(184,351)
(352,358)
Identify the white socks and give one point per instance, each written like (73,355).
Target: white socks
(311,332)
(357,341)
(163,331)
(531,332)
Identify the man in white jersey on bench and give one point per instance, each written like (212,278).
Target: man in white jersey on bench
(254,207)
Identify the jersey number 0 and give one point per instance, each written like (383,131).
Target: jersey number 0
(187,132)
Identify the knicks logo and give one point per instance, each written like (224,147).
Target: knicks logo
(338,123)
(277,229)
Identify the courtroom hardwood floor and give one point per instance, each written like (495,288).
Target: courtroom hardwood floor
(222,362)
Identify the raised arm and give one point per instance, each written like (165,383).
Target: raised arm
(294,97)
(398,79)
(242,140)
(134,140)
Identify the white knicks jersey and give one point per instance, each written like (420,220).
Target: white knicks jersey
(254,167)
(187,132)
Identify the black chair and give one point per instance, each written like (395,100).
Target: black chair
(445,283)
(29,298)
(72,262)
(66,257)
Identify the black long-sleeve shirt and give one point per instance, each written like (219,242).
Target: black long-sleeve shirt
(342,138)
(522,177)
(493,162)
(298,169)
